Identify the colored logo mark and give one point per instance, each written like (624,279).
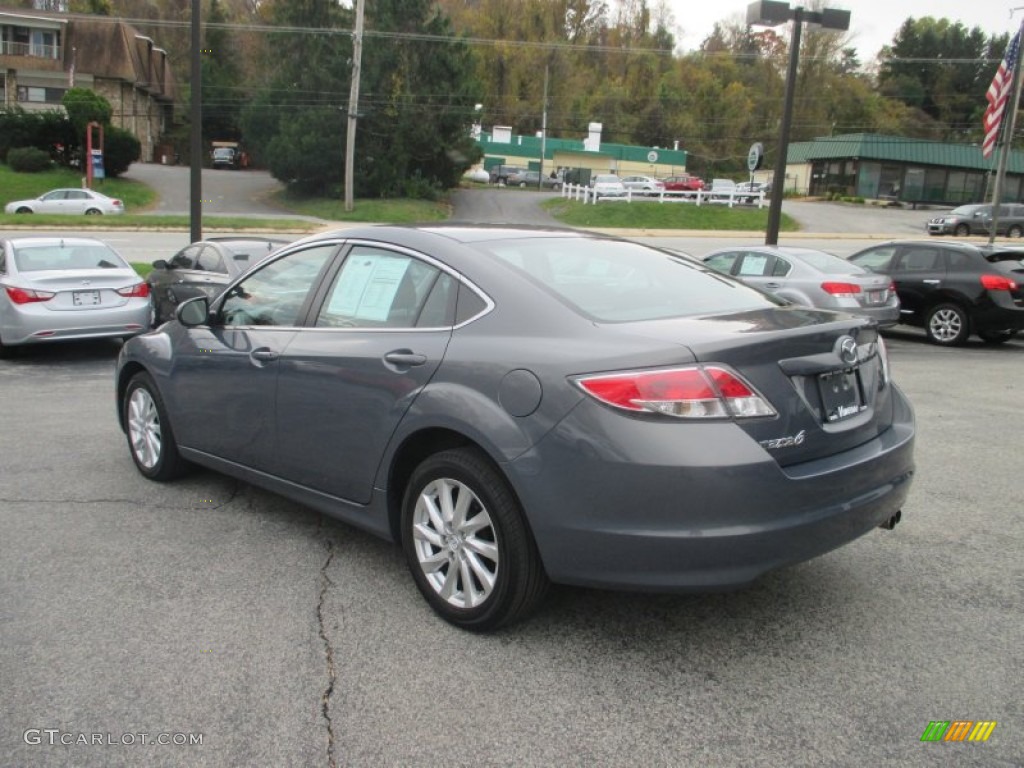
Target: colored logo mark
(958,730)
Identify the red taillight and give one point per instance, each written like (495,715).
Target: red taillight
(27,296)
(998,283)
(841,290)
(707,392)
(137,291)
(117,203)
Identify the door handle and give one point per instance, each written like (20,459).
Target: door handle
(773,286)
(405,358)
(932,281)
(264,355)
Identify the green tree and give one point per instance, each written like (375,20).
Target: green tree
(85,106)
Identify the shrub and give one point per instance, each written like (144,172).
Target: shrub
(120,149)
(28,160)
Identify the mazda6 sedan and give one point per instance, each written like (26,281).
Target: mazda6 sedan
(522,406)
(67,288)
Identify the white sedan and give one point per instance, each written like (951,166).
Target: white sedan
(643,185)
(70,201)
(607,185)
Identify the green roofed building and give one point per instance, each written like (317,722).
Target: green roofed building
(895,168)
(584,157)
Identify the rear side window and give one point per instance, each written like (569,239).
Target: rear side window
(753,265)
(920,260)
(613,281)
(877,259)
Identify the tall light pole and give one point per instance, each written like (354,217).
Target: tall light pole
(195,163)
(769,13)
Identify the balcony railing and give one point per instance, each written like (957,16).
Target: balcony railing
(8,48)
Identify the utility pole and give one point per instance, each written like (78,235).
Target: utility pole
(353,106)
(1007,129)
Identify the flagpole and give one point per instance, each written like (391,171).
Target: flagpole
(1008,128)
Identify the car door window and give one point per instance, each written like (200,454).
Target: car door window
(377,288)
(186,257)
(781,267)
(52,197)
(753,265)
(722,262)
(956,261)
(919,259)
(276,293)
(877,259)
(210,260)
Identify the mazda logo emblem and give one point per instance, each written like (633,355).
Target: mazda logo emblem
(847,350)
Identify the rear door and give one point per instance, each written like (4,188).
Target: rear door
(919,269)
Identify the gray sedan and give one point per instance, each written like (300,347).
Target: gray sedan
(59,289)
(812,278)
(521,406)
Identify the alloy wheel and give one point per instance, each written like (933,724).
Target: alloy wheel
(455,542)
(946,325)
(144,428)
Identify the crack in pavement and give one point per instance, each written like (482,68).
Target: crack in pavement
(236,489)
(325,700)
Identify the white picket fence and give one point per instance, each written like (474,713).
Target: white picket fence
(587,195)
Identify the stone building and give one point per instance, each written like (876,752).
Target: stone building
(43,54)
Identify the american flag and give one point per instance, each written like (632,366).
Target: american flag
(998,94)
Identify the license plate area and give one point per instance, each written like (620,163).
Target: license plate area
(841,395)
(876,297)
(85,298)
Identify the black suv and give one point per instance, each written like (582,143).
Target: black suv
(203,268)
(954,289)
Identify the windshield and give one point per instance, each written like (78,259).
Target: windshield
(62,256)
(966,210)
(612,281)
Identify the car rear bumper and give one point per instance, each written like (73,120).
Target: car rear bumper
(40,326)
(999,314)
(886,316)
(719,516)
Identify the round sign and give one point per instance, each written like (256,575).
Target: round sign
(755,156)
(652,156)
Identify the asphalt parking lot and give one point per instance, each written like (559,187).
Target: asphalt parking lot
(206,610)
(207,607)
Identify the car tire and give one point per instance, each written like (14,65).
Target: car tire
(148,428)
(24,209)
(1015,231)
(480,573)
(996,337)
(6,351)
(961,230)
(94,212)
(947,325)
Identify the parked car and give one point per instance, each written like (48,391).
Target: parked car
(533,179)
(72,201)
(499,399)
(722,188)
(607,185)
(67,288)
(953,289)
(225,157)
(750,191)
(500,173)
(811,278)
(643,185)
(976,219)
(203,268)
(683,183)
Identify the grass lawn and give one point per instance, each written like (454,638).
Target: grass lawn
(397,211)
(651,215)
(130,221)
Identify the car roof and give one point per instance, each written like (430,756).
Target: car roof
(24,240)
(961,246)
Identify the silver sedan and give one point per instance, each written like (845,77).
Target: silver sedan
(70,201)
(812,278)
(63,288)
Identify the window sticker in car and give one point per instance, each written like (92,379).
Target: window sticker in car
(367,286)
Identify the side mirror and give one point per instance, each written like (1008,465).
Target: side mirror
(161,264)
(193,312)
